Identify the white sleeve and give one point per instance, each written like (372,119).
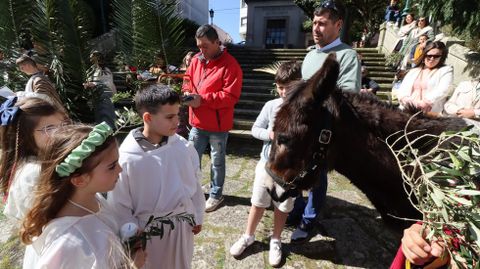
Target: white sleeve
(405,89)
(67,251)
(20,198)
(120,199)
(198,198)
(260,129)
(451,107)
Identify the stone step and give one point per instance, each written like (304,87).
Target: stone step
(266,50)
(243,124)
(373,58)
(366,50)
(371,54)
(386,86)
(381,68)
(249,55)
(377,73)
(258,75)
(267,88)
(246,113)
(236,136)
(243,58)
(256,80)
(250,104)
(255,67)
(375,63)
(383,79)
(256,96)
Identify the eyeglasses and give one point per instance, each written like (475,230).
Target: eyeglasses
(432,56)
(48,130)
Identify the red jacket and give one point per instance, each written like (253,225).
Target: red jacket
(219,83)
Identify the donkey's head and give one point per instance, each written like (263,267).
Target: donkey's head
(302,133)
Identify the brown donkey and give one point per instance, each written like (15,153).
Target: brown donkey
(320,127)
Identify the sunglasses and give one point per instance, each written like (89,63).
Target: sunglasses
(330,4)
(432,56)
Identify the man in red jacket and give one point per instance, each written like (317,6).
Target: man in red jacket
(216,83)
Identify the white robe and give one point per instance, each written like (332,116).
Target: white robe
(20,194)
(84,242)
(159,182)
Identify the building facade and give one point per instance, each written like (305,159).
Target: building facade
(243,20)
(194,10)
(272,24)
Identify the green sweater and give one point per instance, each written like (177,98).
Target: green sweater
(349,78)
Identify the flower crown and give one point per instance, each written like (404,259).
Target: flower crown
(74,160)
(8,111)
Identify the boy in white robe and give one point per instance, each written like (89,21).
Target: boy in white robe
(161,173)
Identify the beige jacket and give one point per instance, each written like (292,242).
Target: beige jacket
(464,97)
(438,87)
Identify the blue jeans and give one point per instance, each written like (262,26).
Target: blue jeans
(104,109)
(316,199)
(218,145)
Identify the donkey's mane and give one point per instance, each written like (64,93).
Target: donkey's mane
(385,118)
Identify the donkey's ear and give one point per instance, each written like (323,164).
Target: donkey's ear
(324,82)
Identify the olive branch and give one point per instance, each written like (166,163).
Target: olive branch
(156,227)
(442,181)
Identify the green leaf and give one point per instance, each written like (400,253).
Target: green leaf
(445,214)
(457,163)
(429,175)
(468,192)
(464,155)
(461,200)
(475,232)
(437,196)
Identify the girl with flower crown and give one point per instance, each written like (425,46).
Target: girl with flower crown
(70,224)
(26,125)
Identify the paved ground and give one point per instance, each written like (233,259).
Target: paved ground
(354,235)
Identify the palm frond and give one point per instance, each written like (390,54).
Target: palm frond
(61,34)
(270,68)
(146,28)
(14,22)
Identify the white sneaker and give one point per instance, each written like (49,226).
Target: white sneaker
(275,252)
(212,204)
(242,243)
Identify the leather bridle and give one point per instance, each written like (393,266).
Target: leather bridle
(317,160)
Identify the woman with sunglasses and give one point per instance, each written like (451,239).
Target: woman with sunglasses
(25,129)
(427,86)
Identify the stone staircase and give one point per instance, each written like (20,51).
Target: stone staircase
(258,86)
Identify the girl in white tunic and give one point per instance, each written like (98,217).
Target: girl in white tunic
(69,225)
(161,173)
(26,126)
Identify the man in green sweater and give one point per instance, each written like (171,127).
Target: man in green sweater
(327,23)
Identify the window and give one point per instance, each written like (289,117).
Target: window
(276,34)
(243,21)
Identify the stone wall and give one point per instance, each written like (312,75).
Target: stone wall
(465,62)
